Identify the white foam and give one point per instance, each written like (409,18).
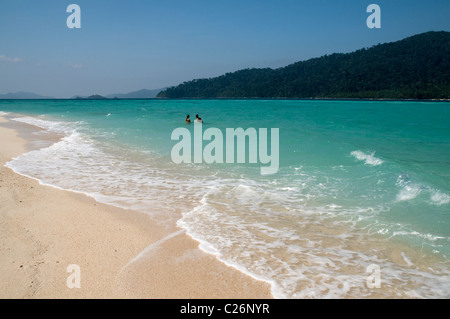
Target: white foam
(406,259)
(255,227)
(250,242)
(368,159)
(214,247)
(422,236)
(408,192)
(50,126)
(411,190)
(438,198)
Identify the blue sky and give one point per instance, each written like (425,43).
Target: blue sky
(124,46)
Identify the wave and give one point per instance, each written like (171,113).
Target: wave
(277,232)
(410,190)
(438,198)
(65,128)
(424,236)
(303,252)
(368,159)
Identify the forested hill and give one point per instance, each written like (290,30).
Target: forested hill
(417,67)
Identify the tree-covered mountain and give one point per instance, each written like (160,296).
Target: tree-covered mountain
(417,67)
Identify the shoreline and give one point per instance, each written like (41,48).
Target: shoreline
(328,258)
(241,98)
(121,253)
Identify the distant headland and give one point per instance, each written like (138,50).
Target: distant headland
(416,68)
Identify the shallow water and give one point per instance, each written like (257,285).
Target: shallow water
(359,184)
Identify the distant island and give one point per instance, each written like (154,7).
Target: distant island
(24,96)
(140,94)
(91,97)
(417,67)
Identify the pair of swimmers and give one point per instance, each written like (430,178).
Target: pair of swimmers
(197,119)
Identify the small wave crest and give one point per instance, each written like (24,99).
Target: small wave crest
(438,198)
(368,159)
(410,190)
(272,233)
(289,248)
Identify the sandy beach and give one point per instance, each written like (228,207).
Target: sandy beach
(120,253)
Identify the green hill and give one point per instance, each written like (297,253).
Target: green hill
(417,67)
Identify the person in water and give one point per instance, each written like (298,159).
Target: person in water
(188,120)
(198,119)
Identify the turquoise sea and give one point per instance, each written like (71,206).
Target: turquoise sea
(361,185)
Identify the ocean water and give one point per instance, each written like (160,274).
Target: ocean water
(361,185)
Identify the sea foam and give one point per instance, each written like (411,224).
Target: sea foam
(298,231)
(65,128)
(438,198)
(368,159)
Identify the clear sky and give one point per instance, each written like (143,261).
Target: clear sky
(128,45)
